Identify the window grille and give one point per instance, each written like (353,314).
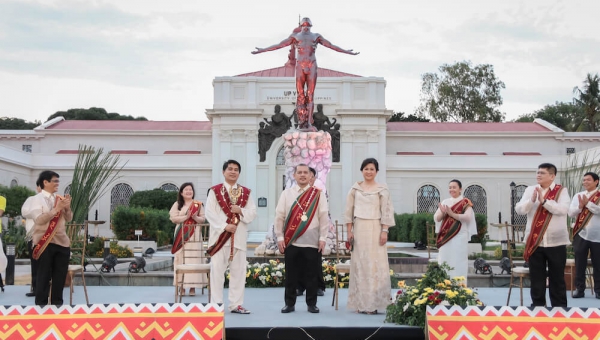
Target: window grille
(478,197)
(120,195)
(280,157)
(428,198)
(519,219)
(169,187)
(14,183)
(68,189)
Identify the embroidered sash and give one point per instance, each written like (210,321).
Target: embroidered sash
(450,227)
(225,203)
(585,215)
(301,214)
(50,232)
(184,231)
(540,222)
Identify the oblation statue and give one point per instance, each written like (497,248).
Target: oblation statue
(305,43)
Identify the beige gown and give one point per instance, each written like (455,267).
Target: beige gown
(191,280)
(370,284)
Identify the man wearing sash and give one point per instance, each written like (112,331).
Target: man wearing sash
(51,249)
(229,209)
(25,209)
(585,210)
(301,225)
(546,206)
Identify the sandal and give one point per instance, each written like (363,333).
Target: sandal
(182,291)
(192,291)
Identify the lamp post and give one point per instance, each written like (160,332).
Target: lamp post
(106,247)
(513,187)
(10,265)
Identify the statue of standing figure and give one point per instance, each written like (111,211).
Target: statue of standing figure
(305,43)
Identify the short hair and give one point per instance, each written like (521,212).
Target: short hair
(594,176)
(457,182)
(314,172)
(232,161)
(37,183)
(46,175)
(301,164)
(550,167)
(369,161)
(180,200)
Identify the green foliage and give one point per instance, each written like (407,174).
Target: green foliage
(399,117)
(435,288)
(93,113)
(96,249)
(588,98)
(127,219)
(567,116)
(462,93)
(401,231)
(576,166)
(15,234)
(15,197)
(481,221)
(156,199)
(10,123)
(418,231)
(94,172)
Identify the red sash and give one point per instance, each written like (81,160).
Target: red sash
(185,230)
(49,234)
(301,214)
(450,227)
(225,203)
(540,222)
(585,215)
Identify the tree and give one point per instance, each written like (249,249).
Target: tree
(93,113)
(589,99)
(10,123)
(462,93)
(567,116)
(399,117)
(15,197)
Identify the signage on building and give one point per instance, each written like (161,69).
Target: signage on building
(288,96)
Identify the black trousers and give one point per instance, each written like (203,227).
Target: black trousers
(582,247)
(320,283)
(53,265)
(33,264)
(555,259)
(301,264)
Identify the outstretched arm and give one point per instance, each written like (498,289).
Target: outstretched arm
(282,44)
(328,44)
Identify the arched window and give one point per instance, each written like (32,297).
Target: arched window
(428,198)
(120,195)
(519,191)
(68,189)
(13,183)
(280,157)
(169,187)
(478,197)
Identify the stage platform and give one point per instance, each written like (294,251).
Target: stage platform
(266,320)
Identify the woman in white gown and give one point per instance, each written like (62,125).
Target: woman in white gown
(455,224)
(369,214)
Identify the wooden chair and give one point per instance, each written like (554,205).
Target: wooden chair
(515,253)
(341,252)
(431,240)
(78,234)
(194,261)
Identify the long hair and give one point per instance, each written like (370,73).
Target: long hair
(180,201)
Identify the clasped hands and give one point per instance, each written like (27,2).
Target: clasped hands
(537,195)
(197,218)
(446,210)
(64,203)
(583,201)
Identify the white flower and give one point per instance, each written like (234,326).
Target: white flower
(342,274)
(445,303)
(278,273)
(262,279)
(328,278)
(406,306)
(256,265)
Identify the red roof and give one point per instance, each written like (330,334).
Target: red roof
(521,154)
(414,153)
(131,125)
(288,71)
(465,127)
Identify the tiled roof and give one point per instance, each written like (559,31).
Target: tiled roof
(465,127)
(131,125)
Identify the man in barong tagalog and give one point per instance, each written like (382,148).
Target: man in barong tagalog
(301,225)
(546,205)
(229,210)
(305,43)
(51,245)
(585,210)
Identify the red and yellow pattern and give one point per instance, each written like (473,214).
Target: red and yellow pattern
(487,323)
(450,227)
(49,234)
(585,215)
(540,223)
(113,321)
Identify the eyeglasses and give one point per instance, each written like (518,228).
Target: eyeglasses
(55,181)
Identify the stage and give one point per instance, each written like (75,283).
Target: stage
(266,320)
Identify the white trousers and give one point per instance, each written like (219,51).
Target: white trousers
(237,279)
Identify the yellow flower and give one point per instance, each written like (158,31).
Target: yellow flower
(401,284)
(468,291)
(341,284)
(420,301)
(428,290)
(448,282)
(248,274)
(257,270)
(415,291)
(391,272)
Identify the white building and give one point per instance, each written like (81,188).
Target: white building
(417,160)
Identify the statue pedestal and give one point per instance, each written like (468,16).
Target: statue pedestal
(310,148)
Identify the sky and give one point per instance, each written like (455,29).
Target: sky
(157,59)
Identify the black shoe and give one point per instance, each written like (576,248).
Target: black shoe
(288,309)
(313,309)
(578,294)
(597,295)
(299,292)
(320,292)
(30,294)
